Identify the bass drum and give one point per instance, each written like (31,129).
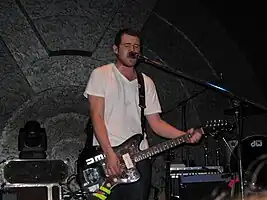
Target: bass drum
(254,160)
(256,174)
(252,148)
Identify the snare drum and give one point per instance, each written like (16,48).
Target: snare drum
(252,148)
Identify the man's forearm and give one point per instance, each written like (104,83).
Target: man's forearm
(101,134)
(164,129)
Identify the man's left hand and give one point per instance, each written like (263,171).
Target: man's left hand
(196,135)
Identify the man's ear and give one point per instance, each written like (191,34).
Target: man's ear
(115,49)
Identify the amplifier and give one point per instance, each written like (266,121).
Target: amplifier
(195,183)
(176,169)
(31,192)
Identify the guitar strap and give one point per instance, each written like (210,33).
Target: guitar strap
(142,100)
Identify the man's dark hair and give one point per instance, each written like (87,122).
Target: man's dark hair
(127,31)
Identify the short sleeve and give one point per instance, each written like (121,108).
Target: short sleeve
(96,84)
(152,101)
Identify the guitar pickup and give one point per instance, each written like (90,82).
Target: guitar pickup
(128,161)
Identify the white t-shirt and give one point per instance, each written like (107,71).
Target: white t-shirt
(122,113)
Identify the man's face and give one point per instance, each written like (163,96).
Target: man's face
(128,44)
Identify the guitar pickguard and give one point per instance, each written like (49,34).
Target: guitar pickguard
(93,168)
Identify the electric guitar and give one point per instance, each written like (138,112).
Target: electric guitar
(92,173)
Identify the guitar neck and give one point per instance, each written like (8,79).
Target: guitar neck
(161,147)
(213,127)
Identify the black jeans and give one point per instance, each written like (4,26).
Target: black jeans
(135,191)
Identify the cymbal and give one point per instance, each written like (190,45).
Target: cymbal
(248,109)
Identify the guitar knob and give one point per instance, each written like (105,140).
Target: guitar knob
(115,180)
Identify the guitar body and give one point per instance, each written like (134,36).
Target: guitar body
(91,166)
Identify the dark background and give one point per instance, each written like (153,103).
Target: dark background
(245,22)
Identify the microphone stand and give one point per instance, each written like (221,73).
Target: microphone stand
(239,103)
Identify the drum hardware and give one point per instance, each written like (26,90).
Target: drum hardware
(231,145)
(205,150)
(256,175)
(253,147)
(228,147)
(242,108)
(218,153)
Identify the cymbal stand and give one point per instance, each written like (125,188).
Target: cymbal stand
(206,153)
(239,130)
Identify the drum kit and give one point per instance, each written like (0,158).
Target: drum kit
(254,162)
(248,155)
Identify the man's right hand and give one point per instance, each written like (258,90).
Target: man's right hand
(113,164)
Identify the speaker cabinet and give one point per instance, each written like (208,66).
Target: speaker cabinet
(196,187)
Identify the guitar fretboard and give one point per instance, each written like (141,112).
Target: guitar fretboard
(213,126)
(161,147)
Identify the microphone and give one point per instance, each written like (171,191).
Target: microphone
(143,58)
(134,55)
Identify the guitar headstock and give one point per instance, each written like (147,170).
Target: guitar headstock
(213,127)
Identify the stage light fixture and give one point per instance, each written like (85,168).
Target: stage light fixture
(32,141)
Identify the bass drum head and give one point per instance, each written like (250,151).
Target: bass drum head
(252,148)
(256,174)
